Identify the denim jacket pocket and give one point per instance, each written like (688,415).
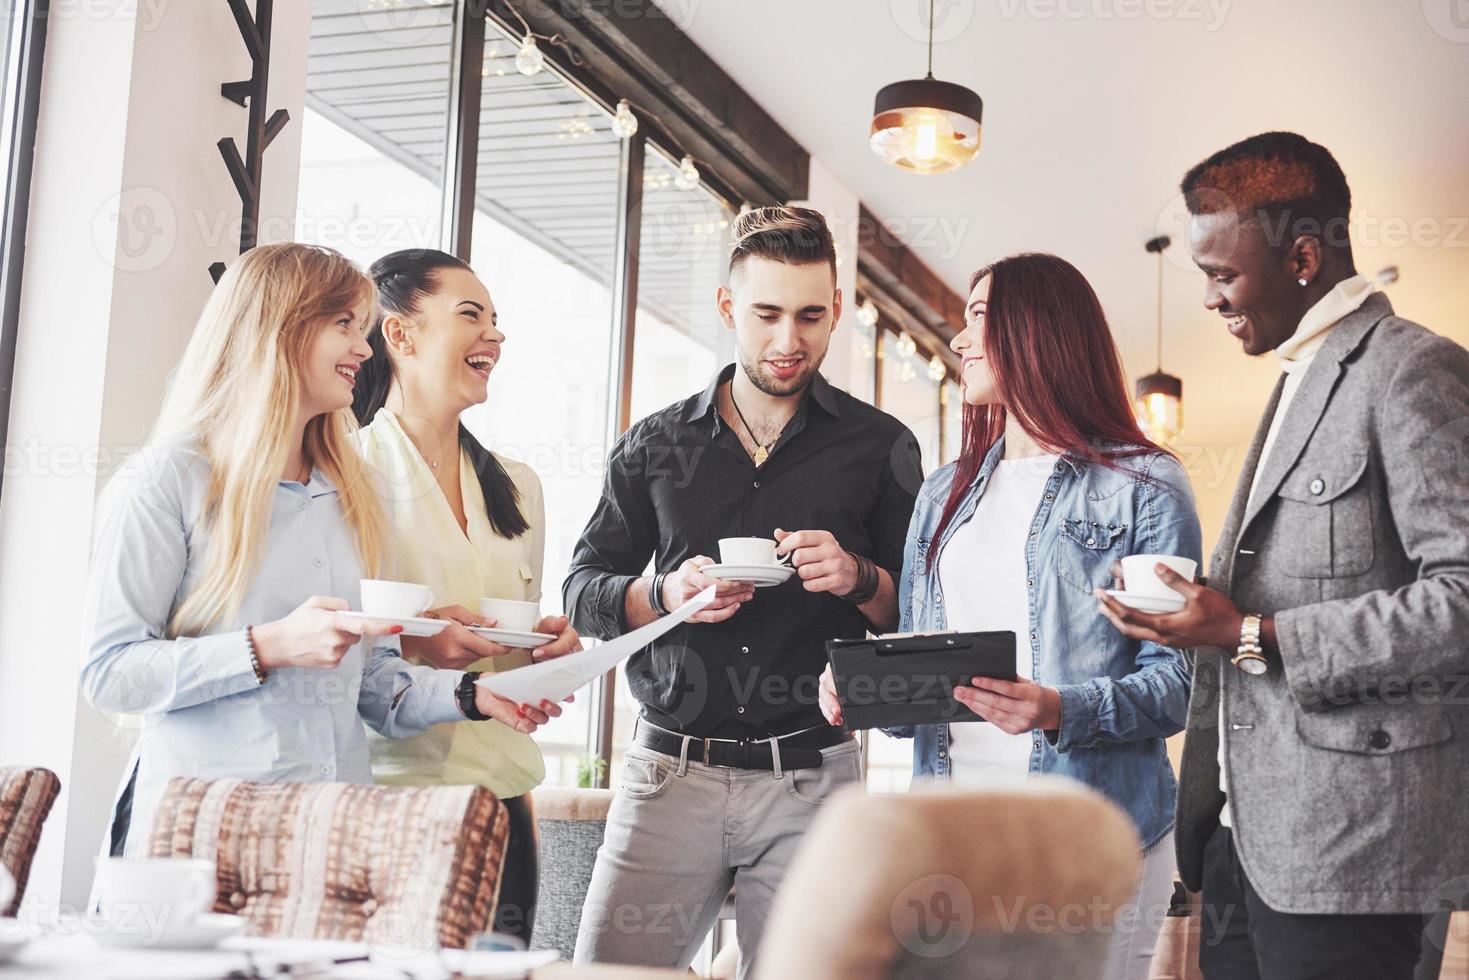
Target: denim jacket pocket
(1085,553)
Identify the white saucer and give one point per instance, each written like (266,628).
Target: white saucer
(521,639)
(1155,605)
(412,625)
(205,932)
(757,575)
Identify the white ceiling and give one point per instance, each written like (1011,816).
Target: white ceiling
(1094,110)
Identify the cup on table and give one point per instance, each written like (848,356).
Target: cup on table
(747,551)
(511,614)
(395,600)
(1140,579)
(153,893)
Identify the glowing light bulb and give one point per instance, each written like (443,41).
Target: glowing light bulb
(688,174)
(624,123)
(925,129)
(867,313)
(936,369)
(529,60)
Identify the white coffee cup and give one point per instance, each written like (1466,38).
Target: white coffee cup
(152,893)
(395,600)
(511,614)
(1140,579)
(747,551)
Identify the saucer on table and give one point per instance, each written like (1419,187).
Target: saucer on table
(759,576)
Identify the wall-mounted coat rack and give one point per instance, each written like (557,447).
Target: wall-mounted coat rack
(261,132)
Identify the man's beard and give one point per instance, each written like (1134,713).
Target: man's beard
(755,371)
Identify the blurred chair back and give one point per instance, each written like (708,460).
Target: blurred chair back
(397,866)
(26,796)
(1004,884)
(572,824)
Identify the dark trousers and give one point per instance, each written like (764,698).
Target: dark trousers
(1244,939)
(515,914)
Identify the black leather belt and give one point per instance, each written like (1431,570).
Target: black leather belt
(799,750)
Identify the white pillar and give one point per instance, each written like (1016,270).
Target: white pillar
(130,204)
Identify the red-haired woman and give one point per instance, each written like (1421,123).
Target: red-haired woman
(1054,483)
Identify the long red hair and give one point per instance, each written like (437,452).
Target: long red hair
(1055,364)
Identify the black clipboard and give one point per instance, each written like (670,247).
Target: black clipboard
(883,682)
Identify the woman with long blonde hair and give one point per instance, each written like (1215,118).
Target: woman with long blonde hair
(227,548)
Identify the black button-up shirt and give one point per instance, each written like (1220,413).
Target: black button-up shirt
(680,480)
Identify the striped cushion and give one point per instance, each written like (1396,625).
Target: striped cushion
(26,796)
(398,866)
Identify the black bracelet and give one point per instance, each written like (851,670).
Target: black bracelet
(867,581)
(464,695)
(655,594)
(254,657)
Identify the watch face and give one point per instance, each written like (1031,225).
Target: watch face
(1251,663)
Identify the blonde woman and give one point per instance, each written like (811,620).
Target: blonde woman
(469,524)
(227,547)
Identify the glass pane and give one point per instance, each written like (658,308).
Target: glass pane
(544,241)
(889,763)
(373,135)
(679,341)
(909,393)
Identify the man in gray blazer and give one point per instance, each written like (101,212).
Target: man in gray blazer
(1326,766)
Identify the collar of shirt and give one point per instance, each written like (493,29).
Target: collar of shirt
(317,485)
(1297,353)
(819,388)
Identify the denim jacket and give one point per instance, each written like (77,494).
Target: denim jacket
(1120,698)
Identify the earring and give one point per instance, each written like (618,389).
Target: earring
(1302,282)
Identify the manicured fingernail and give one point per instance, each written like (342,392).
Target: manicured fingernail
(396,629)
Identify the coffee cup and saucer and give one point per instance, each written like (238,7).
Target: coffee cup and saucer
(158,903)
(399,604)
(749,560)
(1144,591)
(515,623)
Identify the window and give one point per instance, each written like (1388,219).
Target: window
(373,138)
(953,420)
(544,240)
(849,360)
(910,393)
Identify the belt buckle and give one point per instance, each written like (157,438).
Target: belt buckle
(706,751)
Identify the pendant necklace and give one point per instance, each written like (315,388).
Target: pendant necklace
(762,452)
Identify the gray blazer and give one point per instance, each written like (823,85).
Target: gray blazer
(1348,761)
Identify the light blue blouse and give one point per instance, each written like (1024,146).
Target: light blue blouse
(195,702)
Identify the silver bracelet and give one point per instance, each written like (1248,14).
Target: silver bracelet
(1250,657)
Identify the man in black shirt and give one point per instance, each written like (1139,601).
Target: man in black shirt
(731,754)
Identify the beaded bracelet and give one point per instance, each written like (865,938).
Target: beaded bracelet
(254,657)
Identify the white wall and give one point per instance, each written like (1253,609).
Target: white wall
(841,208)
(130,204)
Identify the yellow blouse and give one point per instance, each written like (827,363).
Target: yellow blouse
(430,548)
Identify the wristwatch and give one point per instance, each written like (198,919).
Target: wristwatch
(1250,657)
(464,694)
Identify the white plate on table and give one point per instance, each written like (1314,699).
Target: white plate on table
(204,932)
(1155,605)
(520,639)
(759,576)
(412,625)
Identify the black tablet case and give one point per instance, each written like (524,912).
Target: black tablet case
(910,680)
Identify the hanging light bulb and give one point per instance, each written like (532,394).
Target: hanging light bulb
(1160,395)
(688,174)
(624,123)
(867,313)
(937,370)
(906,345)
(529,60)
(925,125)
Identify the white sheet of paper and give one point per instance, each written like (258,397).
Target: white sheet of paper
(553,680)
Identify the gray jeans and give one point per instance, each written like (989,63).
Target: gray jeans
(679,835)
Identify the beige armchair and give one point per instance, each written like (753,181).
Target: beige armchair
(1007,884)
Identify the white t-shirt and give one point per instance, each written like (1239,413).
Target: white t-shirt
(982,573)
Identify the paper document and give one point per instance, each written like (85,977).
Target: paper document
(553,680)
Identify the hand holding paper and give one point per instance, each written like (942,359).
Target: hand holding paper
(553,680)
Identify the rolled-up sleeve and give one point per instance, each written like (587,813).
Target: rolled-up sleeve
(615,547)
(139,557)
